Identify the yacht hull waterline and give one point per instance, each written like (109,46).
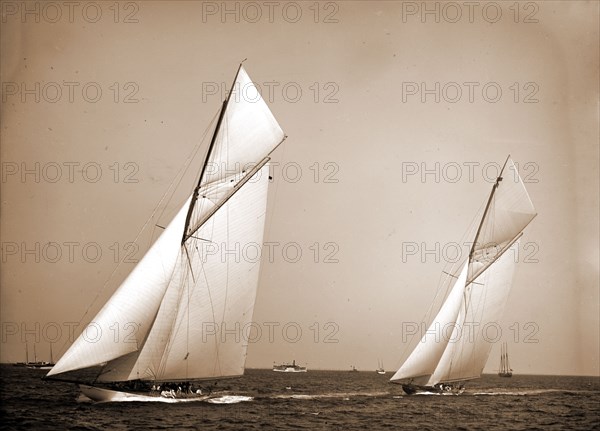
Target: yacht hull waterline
(98,394)
(410,389)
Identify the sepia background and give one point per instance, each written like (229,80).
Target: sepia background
(398,115)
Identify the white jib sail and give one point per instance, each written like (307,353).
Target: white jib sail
(423,360)
(132,307)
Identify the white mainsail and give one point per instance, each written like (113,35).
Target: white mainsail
(477,326)
(198,332)
(192,295)
(482,290)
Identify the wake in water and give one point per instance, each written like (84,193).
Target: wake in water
(234,399)
(223,399)
(230,399)
(343,395)
(502,391)
(487,392)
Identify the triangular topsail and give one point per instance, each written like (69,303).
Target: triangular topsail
(248,132)
(479,295)
(509,211)
(183,296)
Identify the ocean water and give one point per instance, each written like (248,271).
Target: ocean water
(317,400)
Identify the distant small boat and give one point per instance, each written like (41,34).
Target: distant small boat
(380,369)
(35,364)
(289,368)
(505,370)
(40,365)
(353,369)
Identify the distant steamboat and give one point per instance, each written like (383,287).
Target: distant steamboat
(289,368)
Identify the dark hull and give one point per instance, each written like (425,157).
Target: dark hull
(441,389)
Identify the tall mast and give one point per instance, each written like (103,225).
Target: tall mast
(208,154)
(487,207)
(501,358)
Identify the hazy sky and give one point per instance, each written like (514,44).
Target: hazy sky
(397,118)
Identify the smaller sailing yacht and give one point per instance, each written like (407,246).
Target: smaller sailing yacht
(454,349)
(35,364)
(380,369)
(41,365)
(505,370)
